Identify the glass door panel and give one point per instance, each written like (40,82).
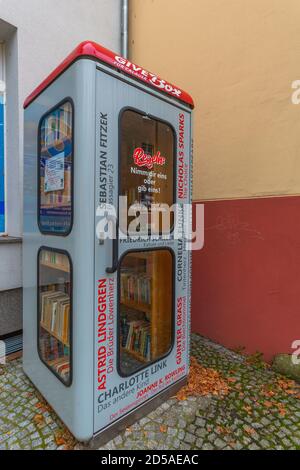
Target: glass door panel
(147,164)
(145,308)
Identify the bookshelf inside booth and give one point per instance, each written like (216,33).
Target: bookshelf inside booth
(55,315)
(146,313)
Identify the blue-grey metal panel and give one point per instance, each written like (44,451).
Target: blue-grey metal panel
(116,396)
(73,404)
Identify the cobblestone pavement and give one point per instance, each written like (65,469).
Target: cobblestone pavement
(256,414)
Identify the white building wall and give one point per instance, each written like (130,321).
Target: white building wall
(38,35)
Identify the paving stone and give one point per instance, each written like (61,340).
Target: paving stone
(118,440)
(172,431)
(253,447)
(296,440)
(212,437)
(287,443)
(219,443)
(176,443)
(207,446)
(264,444)
(201,432)
(189,438)
(200,422)
(265,421)
(37,443)
(199,443)
(237,446)
(197,422)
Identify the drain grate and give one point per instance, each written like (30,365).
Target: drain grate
(13,344)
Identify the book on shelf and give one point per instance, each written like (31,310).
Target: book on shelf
(138,338)
(52,349)
(54,257)
(55,354)
(61,367)
(135,333)
(135,286)
(55,313)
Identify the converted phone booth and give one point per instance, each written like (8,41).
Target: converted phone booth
(106,322)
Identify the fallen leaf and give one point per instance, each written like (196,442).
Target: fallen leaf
(38,419)
(163,428)
(59,441)
(268,404)
(267,393)
(291,392)
(203,381)
(181,395)
(249,430)
(248,409)
(42,406)
(223,430)
(285,384)
(64,438)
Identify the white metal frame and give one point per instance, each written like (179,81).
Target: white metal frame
(3,93)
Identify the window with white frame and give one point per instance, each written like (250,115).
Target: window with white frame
(2,139)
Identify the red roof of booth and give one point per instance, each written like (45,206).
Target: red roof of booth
(97,52)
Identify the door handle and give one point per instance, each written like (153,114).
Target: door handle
(115,253)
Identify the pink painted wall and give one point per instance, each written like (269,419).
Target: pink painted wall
(246,279)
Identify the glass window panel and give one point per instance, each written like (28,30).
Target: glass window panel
(146,312)
(56,171)
(55,315)
(147,164)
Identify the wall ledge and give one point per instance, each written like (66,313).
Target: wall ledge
(6,240)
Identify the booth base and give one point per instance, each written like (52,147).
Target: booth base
(109,433)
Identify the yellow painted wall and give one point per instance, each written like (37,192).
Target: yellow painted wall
(237,58)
